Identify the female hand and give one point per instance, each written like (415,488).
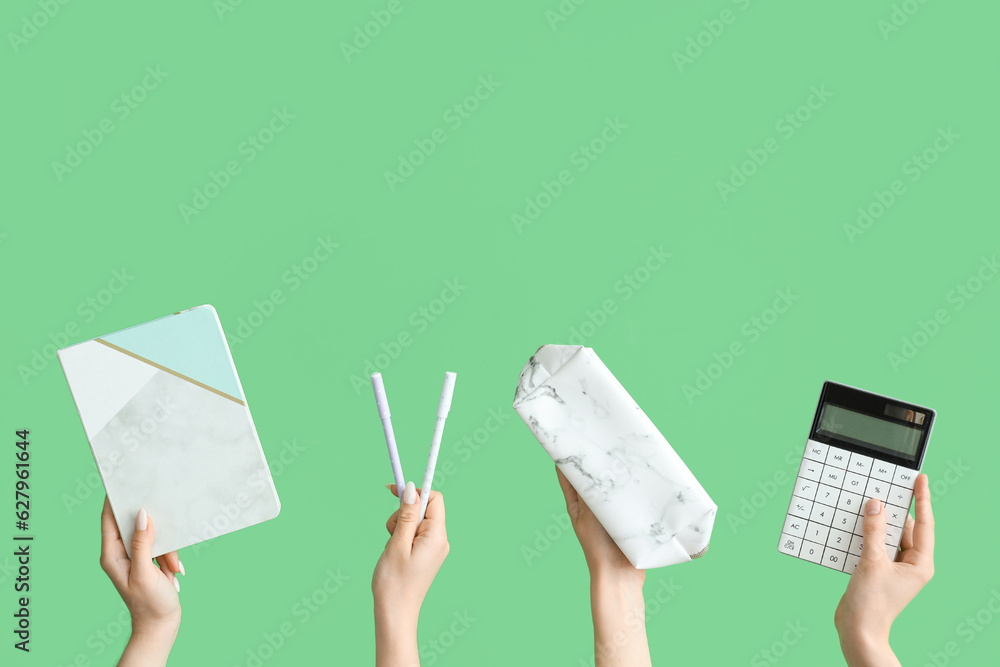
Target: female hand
(602,554)
(404,573)
(880,588)
(616,601)
(149,592)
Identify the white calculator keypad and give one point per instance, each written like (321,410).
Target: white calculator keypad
(860,464)
(813,553)
(895,516)
(899,494)
(810,470)
(883,471)
(794,526)
(825,516)
(800,507)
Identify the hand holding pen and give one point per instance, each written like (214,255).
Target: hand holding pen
(444,406)
(417,546)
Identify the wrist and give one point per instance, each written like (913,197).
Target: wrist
(619,614)
(151,641)
(399,619)
(614,578)
(866,646)
(157,630)
(617,592)
(396,634)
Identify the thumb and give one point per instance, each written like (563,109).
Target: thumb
(142,540)
(874,531)
(407,519)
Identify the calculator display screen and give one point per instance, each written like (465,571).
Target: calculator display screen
(868,430)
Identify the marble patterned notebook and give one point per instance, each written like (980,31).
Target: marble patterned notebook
(169,427)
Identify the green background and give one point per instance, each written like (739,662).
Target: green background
(656,185)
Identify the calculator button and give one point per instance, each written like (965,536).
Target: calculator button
(877,489)
(810,470)
(892,535)
(851,563)
(800,507)
(838,539)
(838,457)
(822,514)
(899,496)
(834,559)
(816,532)
(860,464)
(855,483)
(850,502)
(891,552)
(904,477)
(827,495)
(833,475)
(857,543)
(789,545)
(895,516)
(859,525)
(811,552)
(883,471)
(844,520)
(794,526)
(816,451)
(805,489)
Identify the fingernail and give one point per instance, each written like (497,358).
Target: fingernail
(181,566)
(410,494)
(389,486)
(874,506)
(141,520)
(177,584)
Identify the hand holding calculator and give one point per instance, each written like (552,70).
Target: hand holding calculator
(861,445)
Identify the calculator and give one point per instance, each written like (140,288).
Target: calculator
(861,445)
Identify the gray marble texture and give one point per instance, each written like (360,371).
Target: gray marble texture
(190,457)
(616,459)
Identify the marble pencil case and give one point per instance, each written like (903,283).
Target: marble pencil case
(170,430)
(616,459)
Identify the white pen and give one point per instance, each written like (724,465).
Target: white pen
(444,405)
(390,438)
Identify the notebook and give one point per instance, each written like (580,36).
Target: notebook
(170,430)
